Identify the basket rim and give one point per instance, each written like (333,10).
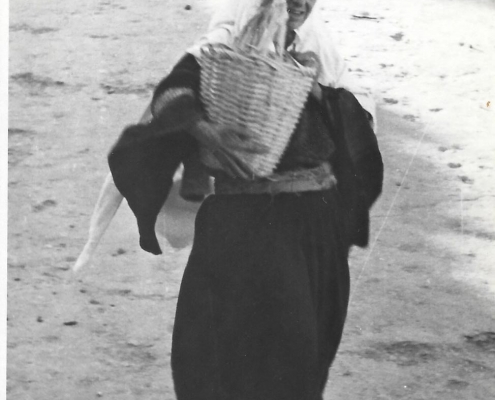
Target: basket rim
(210,50)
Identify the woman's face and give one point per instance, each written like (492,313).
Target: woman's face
(299,11)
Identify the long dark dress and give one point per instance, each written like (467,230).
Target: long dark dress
(263,298)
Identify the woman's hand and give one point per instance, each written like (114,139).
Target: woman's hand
(230,146)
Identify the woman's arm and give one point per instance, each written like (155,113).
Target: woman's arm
(176,107)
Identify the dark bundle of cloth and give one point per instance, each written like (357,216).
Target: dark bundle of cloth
(145,158)
(358,164)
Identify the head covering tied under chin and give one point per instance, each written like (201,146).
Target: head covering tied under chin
(313,36)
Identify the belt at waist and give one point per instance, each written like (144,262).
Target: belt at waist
(304,180)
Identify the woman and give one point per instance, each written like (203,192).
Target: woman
(264,296)
(265,292)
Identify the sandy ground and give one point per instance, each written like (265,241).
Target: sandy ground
(422,316)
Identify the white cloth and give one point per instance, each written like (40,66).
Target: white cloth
(312,36)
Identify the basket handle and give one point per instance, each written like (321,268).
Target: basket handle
(267,26)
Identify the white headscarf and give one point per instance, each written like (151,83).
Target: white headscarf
(312,36)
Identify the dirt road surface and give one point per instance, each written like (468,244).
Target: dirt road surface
(79,72)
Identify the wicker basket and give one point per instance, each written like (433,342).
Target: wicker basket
(262,93)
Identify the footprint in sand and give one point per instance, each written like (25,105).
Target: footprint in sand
(390,101)
(403,353)
(454,165)
(17,131)
(119,252)
(44,205)
(16,265)
(457,384)
(480,234)
(119,292)
(484,341)
(398,36)
(466,179)
(30,29)
(31,80)
(44,29)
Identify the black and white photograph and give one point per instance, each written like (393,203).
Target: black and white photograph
(248,199)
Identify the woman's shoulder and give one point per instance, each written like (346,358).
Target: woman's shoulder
(316,37)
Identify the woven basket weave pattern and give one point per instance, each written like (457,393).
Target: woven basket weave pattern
(262,95)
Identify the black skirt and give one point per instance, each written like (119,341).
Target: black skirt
(263,299)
